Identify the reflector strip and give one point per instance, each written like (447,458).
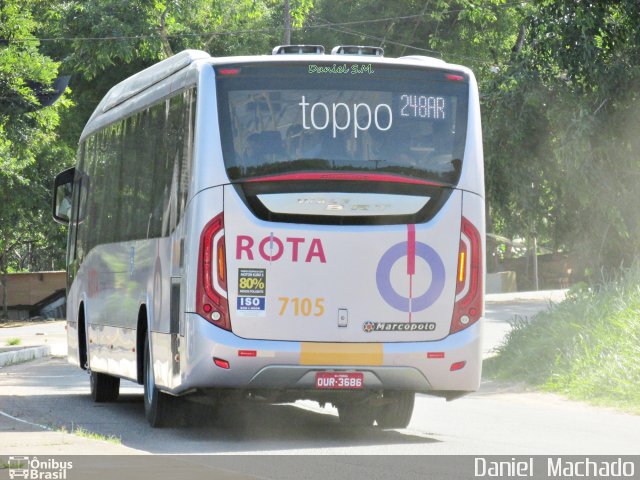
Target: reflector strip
(221,363)
(341,354)
(457,366)
(247,353)
(435,354)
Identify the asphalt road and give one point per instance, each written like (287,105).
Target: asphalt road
(497,420)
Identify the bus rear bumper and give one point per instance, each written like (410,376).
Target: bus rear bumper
(449,365)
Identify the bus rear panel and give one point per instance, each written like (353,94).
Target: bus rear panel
(342,249)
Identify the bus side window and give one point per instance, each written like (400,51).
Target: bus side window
(179,148)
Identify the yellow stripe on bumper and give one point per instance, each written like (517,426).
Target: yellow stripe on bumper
(341,354)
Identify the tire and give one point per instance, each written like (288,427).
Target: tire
(104,388)
(156,403)
(397,410)
(358,415)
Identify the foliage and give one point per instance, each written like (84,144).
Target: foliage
(560,122)
(27,139)
(99,35)
(102,42)
(558,80)
(586,347)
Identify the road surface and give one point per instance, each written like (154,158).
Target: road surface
(499,419)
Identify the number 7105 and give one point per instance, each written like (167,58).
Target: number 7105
(301,307)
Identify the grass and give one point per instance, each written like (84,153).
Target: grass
(586,347)
(14,341)
(81,432)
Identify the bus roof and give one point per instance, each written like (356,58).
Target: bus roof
(149,77)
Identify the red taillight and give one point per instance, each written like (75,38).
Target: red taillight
(455,78)
(211,293)
(228,71)
(468,306)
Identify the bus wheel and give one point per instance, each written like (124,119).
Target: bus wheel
(104,388)
(397,412)
(156,407)
(356,414)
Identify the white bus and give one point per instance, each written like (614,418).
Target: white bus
(298,225)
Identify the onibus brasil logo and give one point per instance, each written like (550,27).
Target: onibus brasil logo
(406,301)
(38,469)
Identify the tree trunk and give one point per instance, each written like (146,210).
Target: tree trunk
(286,40)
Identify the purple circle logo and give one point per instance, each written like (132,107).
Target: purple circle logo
(410,249)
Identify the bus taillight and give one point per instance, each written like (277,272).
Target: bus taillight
(211,293)
(468,307)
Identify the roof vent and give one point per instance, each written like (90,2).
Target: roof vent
(357,50)
(298,50)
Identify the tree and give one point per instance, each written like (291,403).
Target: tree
(567,106)
(27,131)
(558,82)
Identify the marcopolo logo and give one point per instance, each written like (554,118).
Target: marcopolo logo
(38,469)
(398,327)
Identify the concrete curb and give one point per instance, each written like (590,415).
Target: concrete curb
(24,355)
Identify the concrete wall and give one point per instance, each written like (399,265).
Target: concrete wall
(556,270)
(30,288)
(501,282)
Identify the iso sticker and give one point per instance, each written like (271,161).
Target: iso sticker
(251,306)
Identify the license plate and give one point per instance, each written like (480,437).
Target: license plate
(339,380)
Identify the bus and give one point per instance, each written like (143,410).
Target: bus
(299,225)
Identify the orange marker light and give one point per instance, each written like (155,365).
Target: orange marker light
(221,263)
(461,266)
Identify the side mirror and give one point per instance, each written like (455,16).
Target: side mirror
(62,194)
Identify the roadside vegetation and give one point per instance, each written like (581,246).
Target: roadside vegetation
(81,432)
(586,347)
(13,342)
